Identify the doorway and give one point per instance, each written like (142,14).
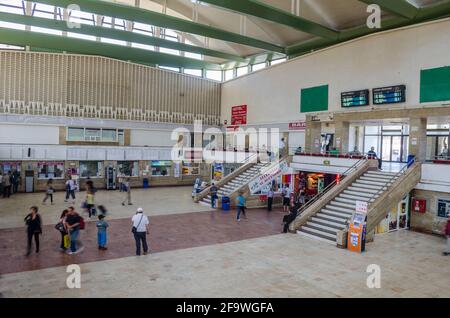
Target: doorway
(392,148)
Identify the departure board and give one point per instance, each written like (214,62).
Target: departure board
(389,95)
(355,98)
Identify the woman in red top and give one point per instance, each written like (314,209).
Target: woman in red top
(447,232)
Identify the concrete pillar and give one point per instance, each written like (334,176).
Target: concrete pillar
(418,138)
(341,137)
(312,137)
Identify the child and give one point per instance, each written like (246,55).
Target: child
(101,234)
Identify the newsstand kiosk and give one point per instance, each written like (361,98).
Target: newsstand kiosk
(356,240)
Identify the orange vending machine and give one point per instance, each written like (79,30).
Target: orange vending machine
(356,239)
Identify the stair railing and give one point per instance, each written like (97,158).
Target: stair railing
(390,180)
(331,185)
(224,180)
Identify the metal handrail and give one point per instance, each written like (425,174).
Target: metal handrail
(325,190)
(395,176)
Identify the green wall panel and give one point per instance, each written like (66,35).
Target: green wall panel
(314,99)
(435,85)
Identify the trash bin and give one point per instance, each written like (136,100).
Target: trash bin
(226,203)
(145,183)
(411,159)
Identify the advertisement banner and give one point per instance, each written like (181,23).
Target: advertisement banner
(239,115)
(301,125)
(267,176)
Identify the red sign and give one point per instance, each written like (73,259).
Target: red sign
(301,125)
(419,205)
(232,128)
(239,115)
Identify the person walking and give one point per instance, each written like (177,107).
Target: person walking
(49,192)
(373,155)
(102,225)
(270,195)
(140,229)
(213,193)
(33,222)
(120,179)
(90,198)
(127,188)
(15,180)
(60,226)
(70,189)
(240,206)
(447,233)
(1,182)
(73,225)
(7,185)
(286,193)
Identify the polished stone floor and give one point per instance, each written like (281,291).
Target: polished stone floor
(197,252)
(273,266)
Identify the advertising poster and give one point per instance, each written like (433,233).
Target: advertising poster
(239,115)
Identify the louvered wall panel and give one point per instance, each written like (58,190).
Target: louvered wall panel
(91,86)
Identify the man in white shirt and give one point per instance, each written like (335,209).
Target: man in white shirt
(282,147)
(140,226)
(71,186)
(286,198)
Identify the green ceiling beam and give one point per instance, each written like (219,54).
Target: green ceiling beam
(74,45)
(115,34)
(162,20)
(424,14)
(267,12)
(401,8)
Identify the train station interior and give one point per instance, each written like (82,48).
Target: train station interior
(224,148)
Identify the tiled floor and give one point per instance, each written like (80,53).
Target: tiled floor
(274,266)
(155,201)
(167,232)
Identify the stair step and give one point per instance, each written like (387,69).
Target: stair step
(342,209)
(320,234)
(342,204)
(204,203)
(315,238)
(318,227)
(379,177)
(381,173)
(374,183)
(331,218)
(336,214)
(336,226)
(345,201)
(360,189)
(362,195)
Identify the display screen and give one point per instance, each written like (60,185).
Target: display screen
(389,95)
(355,98)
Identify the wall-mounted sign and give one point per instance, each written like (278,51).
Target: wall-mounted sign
(361,207)
(301,125)
(239,115)
(355,98)
(419,205)
(389,95)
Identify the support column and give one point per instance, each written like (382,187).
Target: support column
(418,138)
(312,136)
(341,136)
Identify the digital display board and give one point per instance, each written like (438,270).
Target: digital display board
(355,98)
(389,95)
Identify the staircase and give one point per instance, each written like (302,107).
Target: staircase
(333,218)
(236,183)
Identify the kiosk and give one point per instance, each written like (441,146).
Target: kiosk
(110,175)
(356,240)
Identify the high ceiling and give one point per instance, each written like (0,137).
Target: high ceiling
(227,33)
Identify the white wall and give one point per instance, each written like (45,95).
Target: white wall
(155,138)
(29,134)
(435,177)
(389,58)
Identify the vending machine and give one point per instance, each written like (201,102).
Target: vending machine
(356,240)
(110,175)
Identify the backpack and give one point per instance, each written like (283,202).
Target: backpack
(82,224)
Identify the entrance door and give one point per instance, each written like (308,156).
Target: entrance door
(391,148)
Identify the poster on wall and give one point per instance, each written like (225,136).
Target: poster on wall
(176,170)
(239,115)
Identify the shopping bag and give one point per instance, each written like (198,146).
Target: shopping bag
(66,241)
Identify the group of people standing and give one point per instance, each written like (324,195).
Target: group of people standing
(9,183)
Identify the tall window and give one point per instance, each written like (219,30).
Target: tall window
(129,168)
(242,71)
(214,75)
(89,169)
(229,74)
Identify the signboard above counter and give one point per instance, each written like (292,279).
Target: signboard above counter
(355,98)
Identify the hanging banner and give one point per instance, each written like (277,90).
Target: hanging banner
(239,115)
(176,170)
(263,179)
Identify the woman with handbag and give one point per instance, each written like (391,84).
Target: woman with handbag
(60,226)
(34,228)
